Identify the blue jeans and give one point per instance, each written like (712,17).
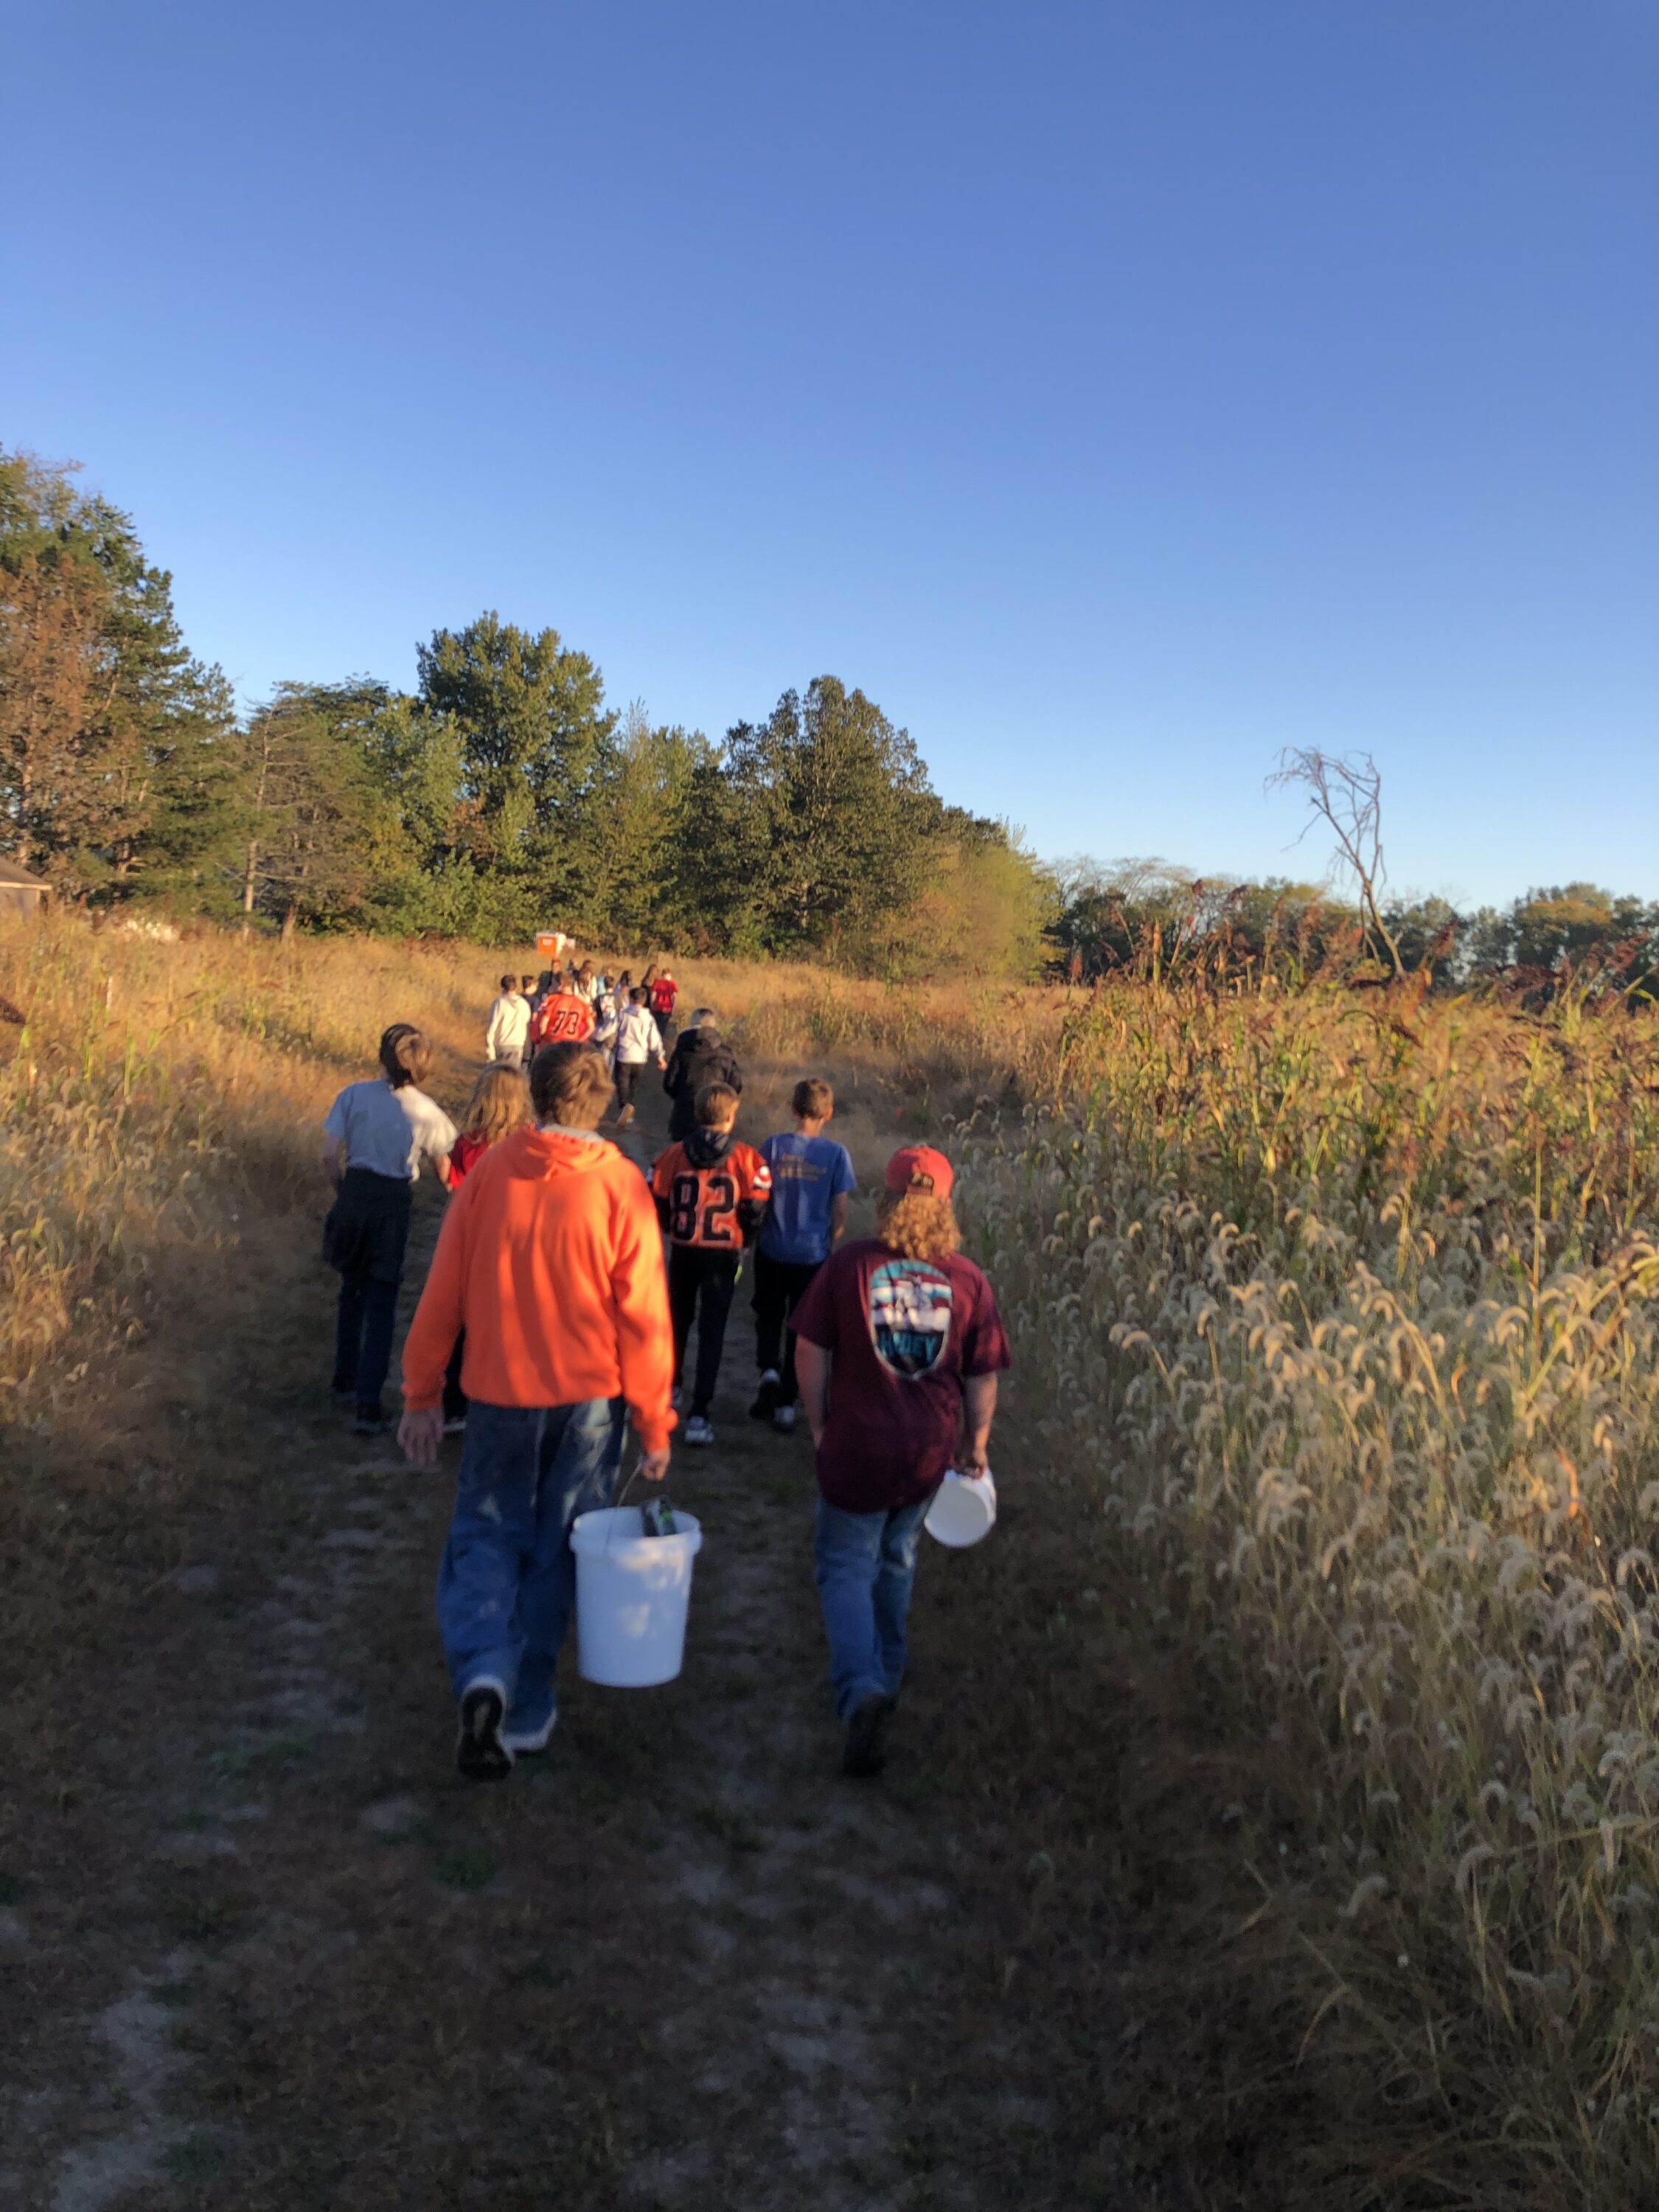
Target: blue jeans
(867,1568)
(507,1583)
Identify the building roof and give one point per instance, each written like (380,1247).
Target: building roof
(21,878)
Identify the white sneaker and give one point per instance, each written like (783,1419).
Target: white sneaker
(783,1418)
(698,1430)
(769,1375)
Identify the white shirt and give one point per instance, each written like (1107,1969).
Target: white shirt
(387,1130)
(509,1028)
(638,1037)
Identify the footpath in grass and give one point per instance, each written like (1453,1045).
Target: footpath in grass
(263,1948)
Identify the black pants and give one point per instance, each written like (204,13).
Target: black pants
(701,1285)
(629,1072)
(780,1286)
(362,1340)
(364,1237)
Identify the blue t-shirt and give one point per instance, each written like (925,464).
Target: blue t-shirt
(808,1174)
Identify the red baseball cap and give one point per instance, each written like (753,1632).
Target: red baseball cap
(919,1167)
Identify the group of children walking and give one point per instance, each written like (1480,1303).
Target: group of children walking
(891,1346)
(629,1021)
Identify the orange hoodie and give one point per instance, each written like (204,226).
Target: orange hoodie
(549,1258)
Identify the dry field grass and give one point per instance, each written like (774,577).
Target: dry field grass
(1290,1747)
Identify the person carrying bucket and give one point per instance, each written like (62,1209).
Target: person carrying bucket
(550,1260)
(911,1331)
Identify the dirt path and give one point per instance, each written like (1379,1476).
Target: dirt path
(267,1951)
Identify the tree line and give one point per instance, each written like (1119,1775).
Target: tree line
(1142,918)
(502,795)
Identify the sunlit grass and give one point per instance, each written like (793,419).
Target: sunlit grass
(1337,1320)
(1348,1330)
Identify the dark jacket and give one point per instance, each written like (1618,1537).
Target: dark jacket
(699,1057)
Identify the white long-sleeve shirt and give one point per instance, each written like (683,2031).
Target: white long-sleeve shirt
(638,1037)
(508,1028)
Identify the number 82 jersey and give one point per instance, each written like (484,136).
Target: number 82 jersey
(715,1206)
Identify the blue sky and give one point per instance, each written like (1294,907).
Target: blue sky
(1116,393)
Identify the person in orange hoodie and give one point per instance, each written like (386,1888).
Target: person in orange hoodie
(550,1260)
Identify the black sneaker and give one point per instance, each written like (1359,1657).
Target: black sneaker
(371,1418)
(766,1399)
(866,1737)
(343,1394)
(480,1754)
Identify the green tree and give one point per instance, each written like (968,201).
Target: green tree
(640,824)
(112,771)
(529,716)
(983,911)
(833,804)
(318,829)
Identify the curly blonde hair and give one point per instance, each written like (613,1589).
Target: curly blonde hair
(917,1224)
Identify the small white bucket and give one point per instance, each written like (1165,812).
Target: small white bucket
(964,1511)
(632,1594)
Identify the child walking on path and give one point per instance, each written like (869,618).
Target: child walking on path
(911,1331)
(561,1016)
(663,990)
(499,1103)
(711,1194)
(374,1137)
(700,1056)
(507,1029)
(812,1178)
(638,1041)
(551,1261)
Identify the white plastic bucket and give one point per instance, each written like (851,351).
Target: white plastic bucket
(632,1594)
(964,1511)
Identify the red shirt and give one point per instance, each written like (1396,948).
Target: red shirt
(702,1202)
(462,1154)
(664,991)
(561,1018)
(906,1334)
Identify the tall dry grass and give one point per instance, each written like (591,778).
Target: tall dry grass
(154,1094)
(157,1092)
(1347,1324)
(1337,1328)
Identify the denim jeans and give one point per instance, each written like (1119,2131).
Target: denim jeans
(507,1584)
(867,1568)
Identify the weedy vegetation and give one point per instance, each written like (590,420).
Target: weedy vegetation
(1337,1322)
(1344,1314)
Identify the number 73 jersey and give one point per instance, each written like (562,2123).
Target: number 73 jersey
(714,1208)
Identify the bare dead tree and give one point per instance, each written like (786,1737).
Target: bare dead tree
(1345,792)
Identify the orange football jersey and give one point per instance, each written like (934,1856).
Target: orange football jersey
(702,1202)
(561,1018)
